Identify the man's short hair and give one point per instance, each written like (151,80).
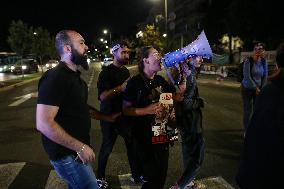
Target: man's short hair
(62,38)
(118,44)
(259,45)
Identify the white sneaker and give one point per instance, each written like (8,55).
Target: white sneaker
(102,183)
(192,185)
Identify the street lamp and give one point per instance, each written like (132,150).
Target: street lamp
(105,31)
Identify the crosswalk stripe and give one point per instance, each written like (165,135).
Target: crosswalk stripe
(8,172)
(54,181)
(125,182)
(213,182)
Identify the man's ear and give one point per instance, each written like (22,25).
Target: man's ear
(67,48)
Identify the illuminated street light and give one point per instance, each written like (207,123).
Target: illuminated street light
(102,40)
(164,35)
(105,31)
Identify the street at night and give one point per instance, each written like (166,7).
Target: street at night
(24,164)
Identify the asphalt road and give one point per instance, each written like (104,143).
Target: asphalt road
(21,150)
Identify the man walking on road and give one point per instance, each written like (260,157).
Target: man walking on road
(63,115)
(111,83)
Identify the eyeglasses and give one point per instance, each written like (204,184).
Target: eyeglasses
(157,55)
(258,48)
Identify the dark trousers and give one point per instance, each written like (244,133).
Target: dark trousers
(248,97)
(110,131)
(154,159)
(193,155)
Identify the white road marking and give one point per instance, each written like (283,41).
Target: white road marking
(213,182)
(125,182)
(22,99)
(8,172)
(55,182)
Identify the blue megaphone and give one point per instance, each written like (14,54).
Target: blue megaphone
(199,47)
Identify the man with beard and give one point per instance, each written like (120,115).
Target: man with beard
(63,115)
(111,83)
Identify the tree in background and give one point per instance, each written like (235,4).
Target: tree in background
(25,40)
(20,38)
(42,45)
(151,36)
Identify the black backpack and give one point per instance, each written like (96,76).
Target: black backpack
(240,74)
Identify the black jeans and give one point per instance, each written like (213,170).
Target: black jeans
(248,97)
(154,160)
(193,155)
(110,131)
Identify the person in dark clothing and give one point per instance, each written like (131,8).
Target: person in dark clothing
(254,79)
(261,163)
(189,122)
(63,115)
(141,104)
(111,83)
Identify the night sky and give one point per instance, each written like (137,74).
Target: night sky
(87,17)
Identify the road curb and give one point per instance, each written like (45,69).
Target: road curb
(219,83)
(17,84)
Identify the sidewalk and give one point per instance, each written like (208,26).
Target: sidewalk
(13,83)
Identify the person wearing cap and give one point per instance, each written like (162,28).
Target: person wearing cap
(255,72)
(111,83)
(262,164)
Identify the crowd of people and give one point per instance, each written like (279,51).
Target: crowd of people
(130,106)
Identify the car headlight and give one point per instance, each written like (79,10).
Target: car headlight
(47,65)
(12,67)
(24,67)
(53,65)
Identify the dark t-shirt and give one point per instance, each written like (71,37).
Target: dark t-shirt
(64,88)
(109,78)
(142,92)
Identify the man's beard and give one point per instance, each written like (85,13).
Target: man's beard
(122,61)
(79,59)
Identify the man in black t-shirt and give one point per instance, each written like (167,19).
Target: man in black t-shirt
(63,115)
(111,83)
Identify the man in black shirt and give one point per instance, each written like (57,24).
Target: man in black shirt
(63,115)
(111,83)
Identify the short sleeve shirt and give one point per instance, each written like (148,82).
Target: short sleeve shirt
(64,88)
(109,78)
(142,92)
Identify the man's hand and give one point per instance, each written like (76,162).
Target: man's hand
(86,154)
(257,91)
(123,85)
(112,117)
(153,108)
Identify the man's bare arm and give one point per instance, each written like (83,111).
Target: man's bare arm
(46,124)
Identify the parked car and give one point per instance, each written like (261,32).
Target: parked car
(51,64)
(25,66)
(5,68)
(107,61)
